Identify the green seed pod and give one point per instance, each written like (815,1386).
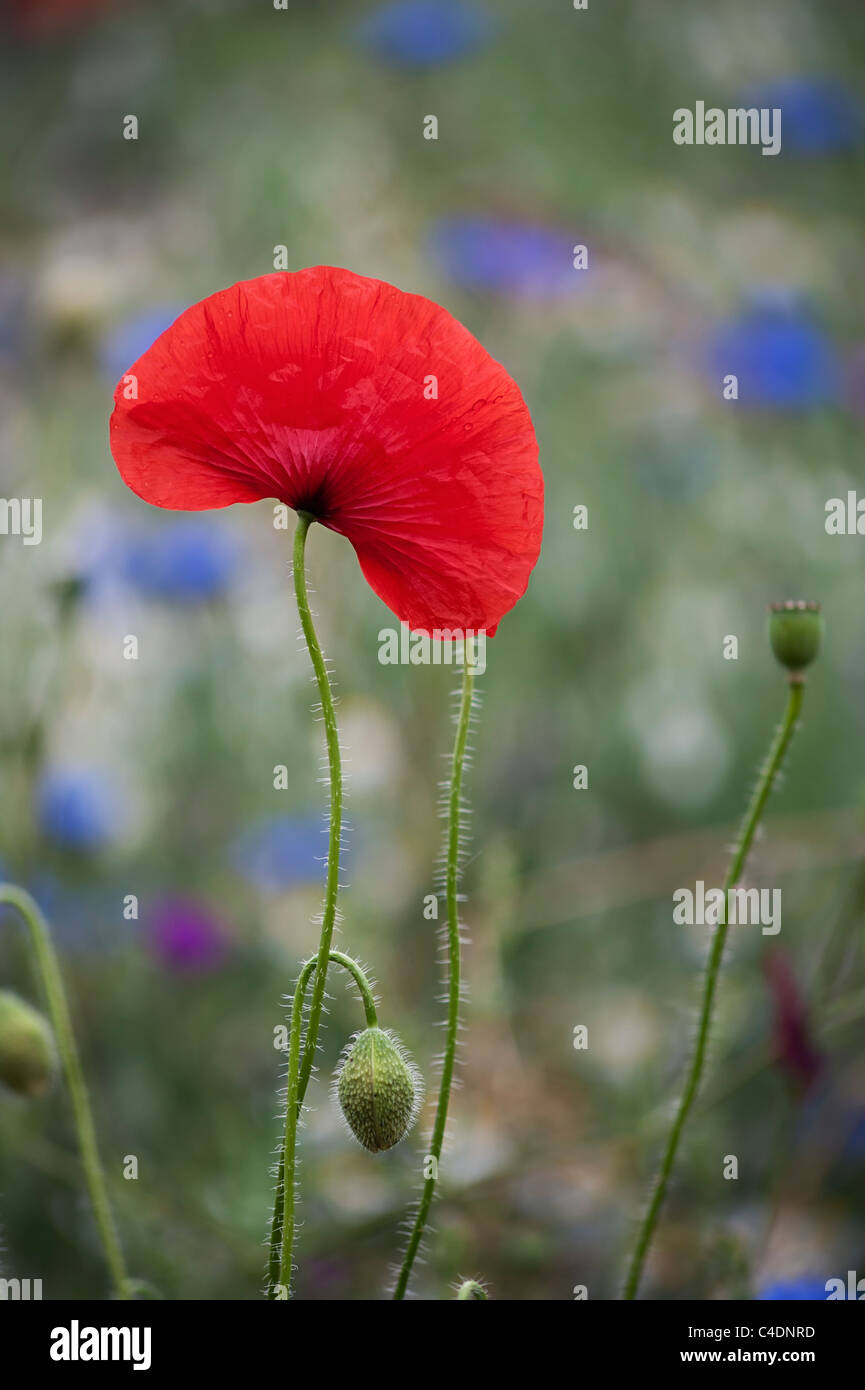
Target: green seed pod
(28,1056)
(795,630)
(379,1089)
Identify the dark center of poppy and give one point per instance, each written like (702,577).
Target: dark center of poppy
(313,501)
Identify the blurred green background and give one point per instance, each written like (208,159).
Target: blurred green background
(303,128)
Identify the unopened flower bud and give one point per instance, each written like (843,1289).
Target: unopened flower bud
(471,1289)
(28,1056)
(379,1089)
(795,630)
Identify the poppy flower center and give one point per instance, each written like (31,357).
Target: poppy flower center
(312,500)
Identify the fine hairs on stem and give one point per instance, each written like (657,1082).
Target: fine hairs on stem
(289,1152)
(455,817)
(795,631)
(299,1071)
(58,1009)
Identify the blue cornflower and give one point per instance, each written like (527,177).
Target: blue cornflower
(188,561)
(782,359)
(807,1286)
(499,255)
(423,33)
(77,807)
(818,116)
(126,341)
(281,852)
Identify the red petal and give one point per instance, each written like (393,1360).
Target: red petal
(309,388)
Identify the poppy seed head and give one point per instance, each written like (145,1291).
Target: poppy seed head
(795,631)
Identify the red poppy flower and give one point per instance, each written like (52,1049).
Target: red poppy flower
(372,409)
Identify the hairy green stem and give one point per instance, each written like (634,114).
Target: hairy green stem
(58,1008)
(282,1226)
(454,975)
(751,820)
(363,985)
(335,769)
(289,1143)
(299,1072)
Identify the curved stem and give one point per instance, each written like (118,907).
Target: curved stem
(58,1008)
(282,1224)
(299,1072)
(363,985)
(304,520)
(454,973)
(760,796)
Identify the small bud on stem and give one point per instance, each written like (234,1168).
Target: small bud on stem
(28,1053)
(795,631)
(379,1089)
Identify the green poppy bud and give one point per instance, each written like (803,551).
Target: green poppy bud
(379,1089)
(28,1056)
(471,1289)
(795,630)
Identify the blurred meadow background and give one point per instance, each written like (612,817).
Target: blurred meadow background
(303,128)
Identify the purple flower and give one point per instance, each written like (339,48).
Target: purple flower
(185,937)
(505,257)
(424,33)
